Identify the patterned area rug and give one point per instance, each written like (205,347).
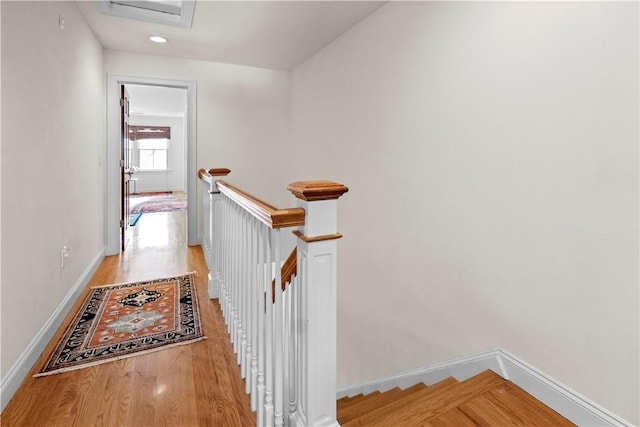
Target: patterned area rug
(125,320)
(158,202)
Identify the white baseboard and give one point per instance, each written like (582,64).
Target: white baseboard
(573,406)
(568,403)
(460,368)
(20,369)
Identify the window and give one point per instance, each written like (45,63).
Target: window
(151,151)
(153,154)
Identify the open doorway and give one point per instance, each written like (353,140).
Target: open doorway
(163,166)
(155,161)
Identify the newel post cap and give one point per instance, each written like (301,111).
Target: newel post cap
(202,172)
(219,172)
(317,190)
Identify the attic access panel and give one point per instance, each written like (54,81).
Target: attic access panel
(169,12)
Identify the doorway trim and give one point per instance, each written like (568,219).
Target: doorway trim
(112,170)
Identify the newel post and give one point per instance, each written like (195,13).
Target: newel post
(317,272)
(214,241)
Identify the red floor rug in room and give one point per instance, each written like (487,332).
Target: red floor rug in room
(157,202)
(125,320)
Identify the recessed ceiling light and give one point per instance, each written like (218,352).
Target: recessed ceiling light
(158,39)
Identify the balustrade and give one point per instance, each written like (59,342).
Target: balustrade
(280,315)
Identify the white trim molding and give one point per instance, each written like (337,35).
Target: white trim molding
(562,399)
(20,369)
(567,402)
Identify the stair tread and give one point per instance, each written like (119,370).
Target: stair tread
(400,406)
(373,401)
(345,402)
(418,408)
(508,401)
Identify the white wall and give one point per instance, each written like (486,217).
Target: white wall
(1,375)
(491,151)
(53,139)
(174,178)
(242,115)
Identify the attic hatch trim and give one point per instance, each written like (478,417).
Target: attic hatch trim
(176,13)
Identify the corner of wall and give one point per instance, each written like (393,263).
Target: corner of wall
(20,369)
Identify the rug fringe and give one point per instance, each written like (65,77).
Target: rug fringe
(115,359)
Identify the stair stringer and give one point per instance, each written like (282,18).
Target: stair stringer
(568,403)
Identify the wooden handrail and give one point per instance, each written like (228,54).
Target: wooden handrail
(288,270)
(263,211)
(290,267)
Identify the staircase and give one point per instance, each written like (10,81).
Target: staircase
(486,399)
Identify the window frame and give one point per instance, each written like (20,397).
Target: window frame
(138,133)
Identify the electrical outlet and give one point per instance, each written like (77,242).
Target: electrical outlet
(66,251)
(60,23)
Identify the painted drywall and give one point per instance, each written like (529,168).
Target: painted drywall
(1,376)
(53,138)
(491,151)
(174,178)
(242,118)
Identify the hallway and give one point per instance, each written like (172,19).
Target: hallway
(192,385)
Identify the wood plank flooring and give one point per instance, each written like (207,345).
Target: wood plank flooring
(483,400)
(192,385)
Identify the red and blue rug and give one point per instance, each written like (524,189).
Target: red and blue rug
(130,319)
(157,202)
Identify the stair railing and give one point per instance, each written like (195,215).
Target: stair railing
(280,316)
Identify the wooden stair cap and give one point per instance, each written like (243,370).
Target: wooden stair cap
(202,172)
(219,172)
(317,190)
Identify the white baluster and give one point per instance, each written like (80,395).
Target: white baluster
(242,292)
(214,243)
(230,286)
(226,260)
(246,320)
(292,292)
(217,237)
(235,282)
(269,409)
(224,230)
(285,352)
(251,309)
(207,236)
(278,330)
(262,333)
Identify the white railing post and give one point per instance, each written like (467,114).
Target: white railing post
(284,337)
(213,259)
(211,226)
(317,273)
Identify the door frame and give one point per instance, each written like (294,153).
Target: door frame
(112,170)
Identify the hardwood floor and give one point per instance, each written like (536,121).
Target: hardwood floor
(192,385)
(483,400)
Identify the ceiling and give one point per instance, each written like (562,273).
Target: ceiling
(268,34)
